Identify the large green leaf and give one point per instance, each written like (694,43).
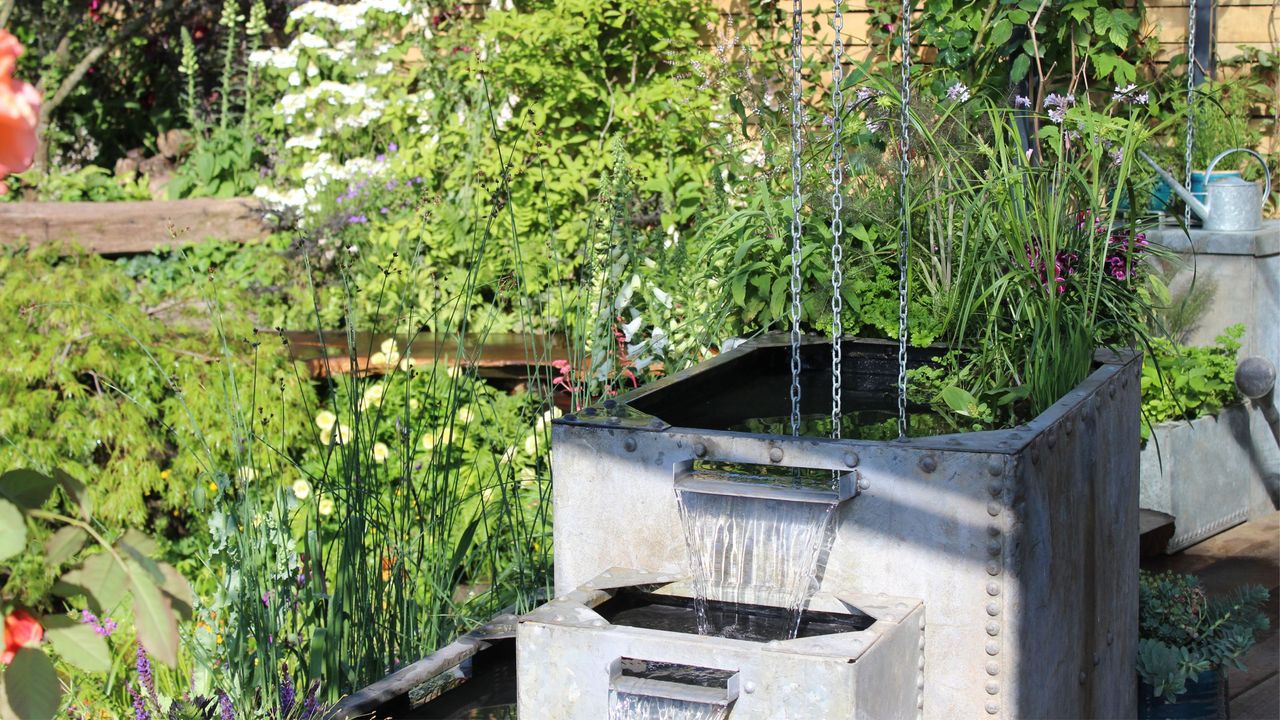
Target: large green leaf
(13,530)
(32,691)
(154,618)
(77,643)
(102,579)
(64,544)
(178,591)
(26,488)
(76,491)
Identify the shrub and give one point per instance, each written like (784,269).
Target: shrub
(1183,632)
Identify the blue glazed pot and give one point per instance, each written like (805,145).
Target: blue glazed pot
(1204,699)
(1198,181)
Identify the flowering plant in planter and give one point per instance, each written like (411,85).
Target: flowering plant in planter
(1184,632)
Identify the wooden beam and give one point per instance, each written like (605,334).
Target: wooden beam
(111,228)
(510,357)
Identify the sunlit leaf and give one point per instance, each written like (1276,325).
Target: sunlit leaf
(77,643)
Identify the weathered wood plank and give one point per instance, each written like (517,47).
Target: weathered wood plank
(112,228)
(507,357)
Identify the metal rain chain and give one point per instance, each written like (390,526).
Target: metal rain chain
(837,207)
(1191,92)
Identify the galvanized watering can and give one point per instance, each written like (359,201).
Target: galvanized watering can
(1233,204)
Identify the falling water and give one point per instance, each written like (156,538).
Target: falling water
(753,551)
(628,706)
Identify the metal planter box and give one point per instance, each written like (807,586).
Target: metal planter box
(1022,544)
(1211,473)
(574,664)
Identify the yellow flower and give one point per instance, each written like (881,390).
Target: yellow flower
(213,487)
(245,474)
(326,437)
(428,442)
(301,489)
(381,452)
(406,364)
(164,474)
(464,415)
(325,420)
(372,397)
(326,506)
(386,355)
(343,435)
(531,445)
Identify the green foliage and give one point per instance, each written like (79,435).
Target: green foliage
(407,143)
(1184,382)
(89,183)
(1223,120)
(1183,631)
(98,385)
(994,44)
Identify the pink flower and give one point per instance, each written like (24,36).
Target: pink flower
(19,113)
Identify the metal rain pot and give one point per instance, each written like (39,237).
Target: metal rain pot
(1022,543)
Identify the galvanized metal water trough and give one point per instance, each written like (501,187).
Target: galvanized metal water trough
(1021,543)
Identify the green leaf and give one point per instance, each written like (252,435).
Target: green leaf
(66,542)
(13,530)
(958,399)
(154,618)
(1001,33)
(31,686)
(102,579)
(1018,70)
(178,590)
(27,488)
(77,643)
(75,490)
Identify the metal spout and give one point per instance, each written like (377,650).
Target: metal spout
(1199,208)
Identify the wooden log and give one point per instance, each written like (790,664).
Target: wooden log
(111,228)
(510,358)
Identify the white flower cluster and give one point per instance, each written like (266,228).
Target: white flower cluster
(348,18)
(332,93)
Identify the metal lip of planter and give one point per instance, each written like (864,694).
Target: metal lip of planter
(1021,543)
(574,659)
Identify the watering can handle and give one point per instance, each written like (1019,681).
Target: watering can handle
(1266,171)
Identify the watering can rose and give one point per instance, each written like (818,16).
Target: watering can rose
(19,113)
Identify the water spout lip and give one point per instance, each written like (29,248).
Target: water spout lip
(649,687)
(715,482)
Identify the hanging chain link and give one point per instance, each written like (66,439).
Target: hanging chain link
(796,139)
(837,206)
(904,220)
(1191,92)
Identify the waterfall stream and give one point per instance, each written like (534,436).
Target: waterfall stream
(754,551)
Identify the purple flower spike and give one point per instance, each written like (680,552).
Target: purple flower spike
(287,693)
(392,147)
(224,705)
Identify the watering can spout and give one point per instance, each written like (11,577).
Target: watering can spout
(1197,207)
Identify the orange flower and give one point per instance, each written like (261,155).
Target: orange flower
(21,628)
(19,113)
